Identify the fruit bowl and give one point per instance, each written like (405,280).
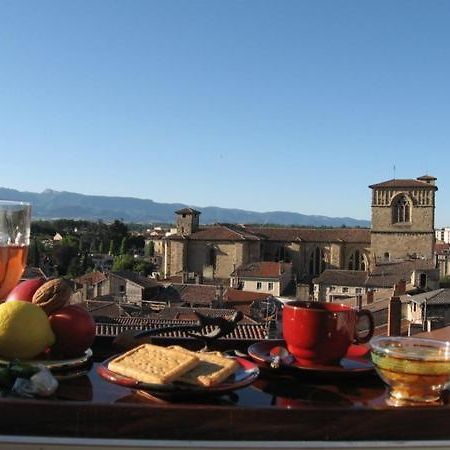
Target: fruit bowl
(416,370)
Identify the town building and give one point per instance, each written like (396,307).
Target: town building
(443,235)
(442,250)
(269,277)
(402,229)
(403,220)
(430,309)
(412,275)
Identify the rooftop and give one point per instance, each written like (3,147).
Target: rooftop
(263,269)
(420,182)
(436,297)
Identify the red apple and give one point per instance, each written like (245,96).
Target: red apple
(24,290)
(74,329)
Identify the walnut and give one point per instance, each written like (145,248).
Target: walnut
(52,295)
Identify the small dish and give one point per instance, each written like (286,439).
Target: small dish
(245,375)
(416,370)
(354,363)
(57,364)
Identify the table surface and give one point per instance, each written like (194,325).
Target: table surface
(279,405)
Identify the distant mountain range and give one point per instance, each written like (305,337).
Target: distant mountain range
(51,204)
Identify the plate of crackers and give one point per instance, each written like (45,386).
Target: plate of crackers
(175,370)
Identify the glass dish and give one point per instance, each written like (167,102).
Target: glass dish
(416,370)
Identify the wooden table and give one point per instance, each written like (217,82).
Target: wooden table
(278,407)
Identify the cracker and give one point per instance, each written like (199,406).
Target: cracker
(212,369)
(153,364)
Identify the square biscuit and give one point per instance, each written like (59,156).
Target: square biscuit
(153,364)
(212,369)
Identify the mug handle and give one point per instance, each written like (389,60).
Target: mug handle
(363,339)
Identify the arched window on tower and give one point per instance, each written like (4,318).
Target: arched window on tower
(401,210)
(317,261)
(357,261)
(212,256)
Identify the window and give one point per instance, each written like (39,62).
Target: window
(401,210)
(345,289)
(423,280)
(270,286)
(212,257)
(358,290)
(357,261)
(317,262)
(258,285)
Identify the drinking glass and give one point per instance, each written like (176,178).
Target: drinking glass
(15,220)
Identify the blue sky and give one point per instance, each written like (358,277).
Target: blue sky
(260,105)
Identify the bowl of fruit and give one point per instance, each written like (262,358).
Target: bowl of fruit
(416,370)
(37,321)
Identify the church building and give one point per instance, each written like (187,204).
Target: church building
(402,228)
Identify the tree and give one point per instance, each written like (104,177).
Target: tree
(123,262)
(118,230)
(74,268)
(136,242)
(34,254)
(62,257)
(150,249)
(143,267)
(124,246)
(93,246)
(112,247)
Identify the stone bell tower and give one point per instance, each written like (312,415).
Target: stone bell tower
(403,219)
(187,221)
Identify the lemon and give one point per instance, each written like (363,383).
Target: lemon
(24,330)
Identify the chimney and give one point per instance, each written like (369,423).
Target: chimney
(394,316)
(359,302)
(400,288)
(85,292)
(369,296)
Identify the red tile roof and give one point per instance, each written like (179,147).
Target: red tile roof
(342,277)
(115,326)
(135,278)
(223,232)
(195,293)
(441,248)
(354,235)
(228,232)
(263,269)
(91,278)
(237,296)
(398,183)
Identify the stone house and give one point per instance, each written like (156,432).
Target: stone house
(442,250)
(91,285)
(401,276)
(129,287)
(263,276)
(337,285)
(430,309)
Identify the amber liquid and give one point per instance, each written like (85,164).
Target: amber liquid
(12,264)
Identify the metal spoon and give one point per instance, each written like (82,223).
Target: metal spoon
(280,356)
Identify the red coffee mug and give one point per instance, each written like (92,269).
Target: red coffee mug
(321,333)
